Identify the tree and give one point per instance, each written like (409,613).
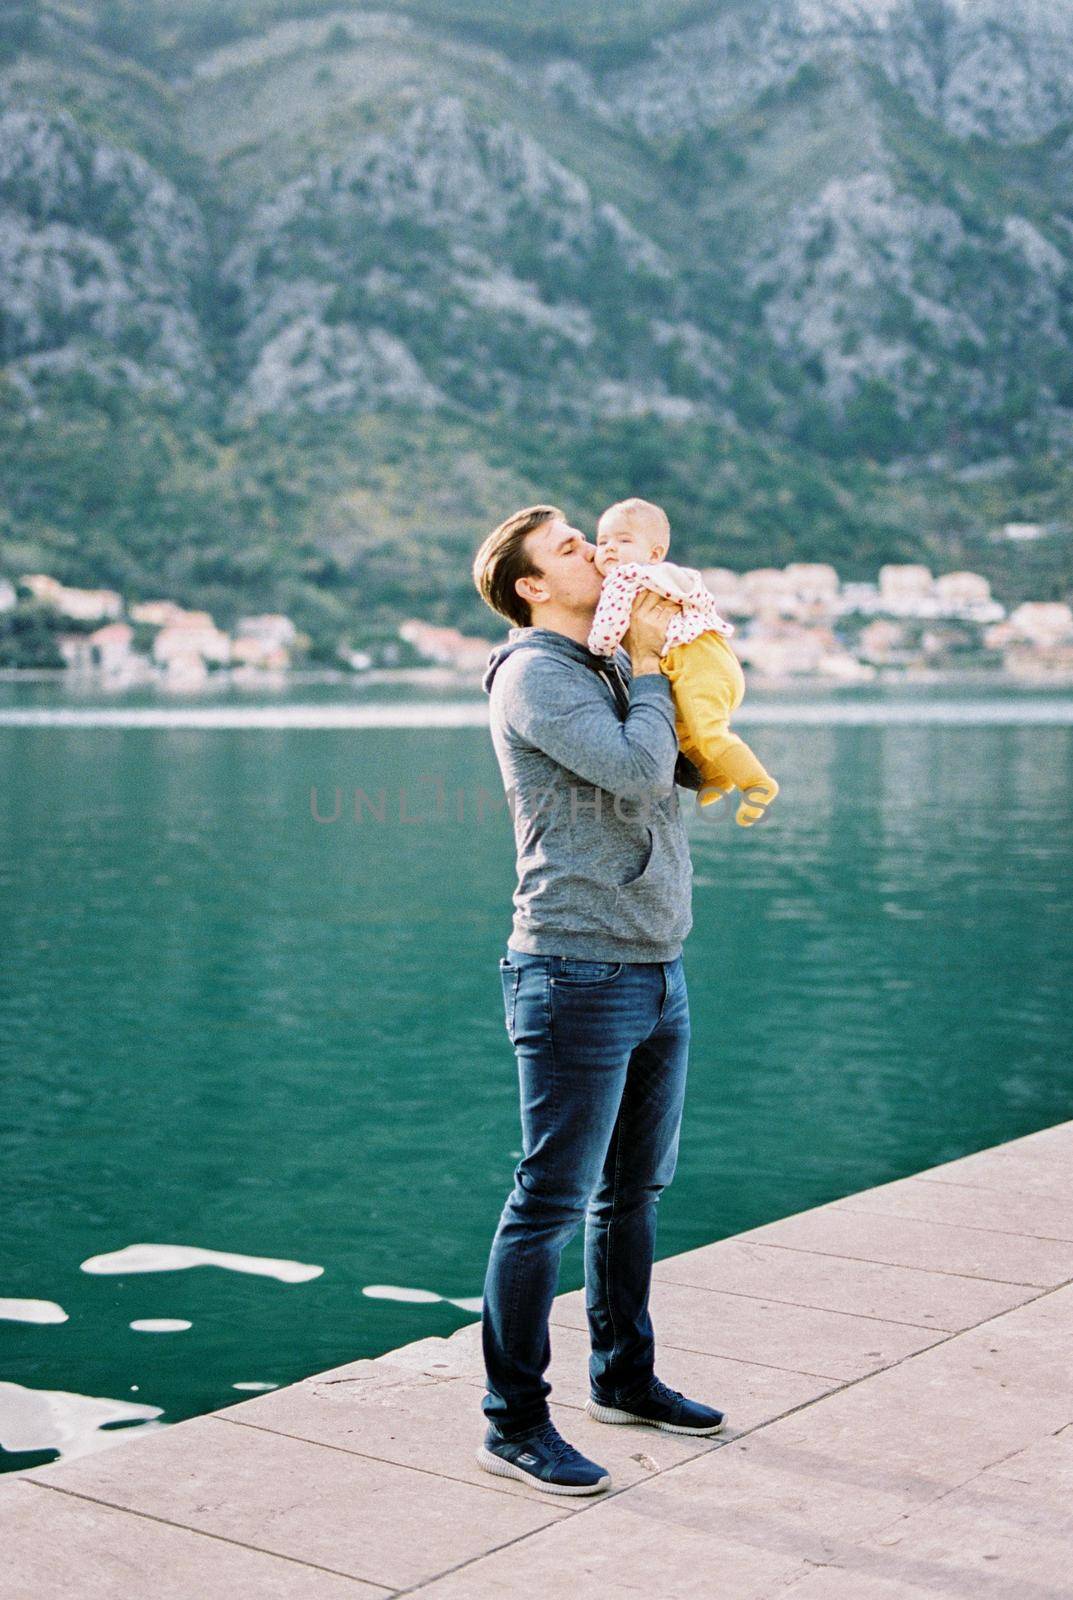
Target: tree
(20,27)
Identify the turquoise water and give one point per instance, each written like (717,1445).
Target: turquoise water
(229,1026)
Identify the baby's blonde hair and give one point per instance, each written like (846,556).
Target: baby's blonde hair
(640,514)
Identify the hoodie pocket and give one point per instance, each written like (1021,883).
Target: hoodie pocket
(656,905)
(640,876)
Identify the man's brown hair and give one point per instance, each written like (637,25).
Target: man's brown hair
(503,558)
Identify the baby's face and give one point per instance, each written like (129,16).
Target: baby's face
(619,540)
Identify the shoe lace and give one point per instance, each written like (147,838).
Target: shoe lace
(661,1391)
(553,1441)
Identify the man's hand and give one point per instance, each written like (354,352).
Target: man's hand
(647,632)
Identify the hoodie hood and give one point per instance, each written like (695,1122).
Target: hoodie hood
(545,639)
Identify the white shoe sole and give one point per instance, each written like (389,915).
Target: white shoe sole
(506,1469)
(600,1413)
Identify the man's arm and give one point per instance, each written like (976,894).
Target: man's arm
(686,775)
(564,710)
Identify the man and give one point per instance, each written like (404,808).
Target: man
(594,992)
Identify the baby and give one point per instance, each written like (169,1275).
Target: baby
(706,679)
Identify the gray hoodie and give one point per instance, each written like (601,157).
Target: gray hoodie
(589,761)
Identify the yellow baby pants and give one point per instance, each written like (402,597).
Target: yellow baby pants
(708,684)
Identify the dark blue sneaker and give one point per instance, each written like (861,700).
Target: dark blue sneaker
(660,1407)
(544,1459)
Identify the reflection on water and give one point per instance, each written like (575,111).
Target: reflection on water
(174,1257)
(420,1297)
(69,1425)
(31,1311)
(226,1023)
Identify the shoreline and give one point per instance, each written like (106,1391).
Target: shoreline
(434,677)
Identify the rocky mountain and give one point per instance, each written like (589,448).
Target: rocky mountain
(296,300)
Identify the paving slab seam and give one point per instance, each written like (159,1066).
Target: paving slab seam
(797,1372)
(205,1533)
(956,1488)
(924,1577)
(321,1444)
(974,1277)
(921,1574)
(956,1183)
(931,1222)
(493,1550)
(433,1377)
(804,1305)
(714,1355)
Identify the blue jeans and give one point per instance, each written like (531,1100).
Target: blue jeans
(602,1050)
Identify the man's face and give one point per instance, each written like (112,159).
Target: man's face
(566,560)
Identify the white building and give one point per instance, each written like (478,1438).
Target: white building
(185,672)
(77,652)
(8,597)
(85,605)
(158,613)
(899,581)
(42,587)
(1043,622)
(448,646)
(250,652)
(272,629)
(111,646)
(1022,530)
(788,649)
(726,590)
(806,590)
(860,597)
(767,586)
(264,641)
(882,640)
(963,588)
(204,644)
(812,581)
(1036,664)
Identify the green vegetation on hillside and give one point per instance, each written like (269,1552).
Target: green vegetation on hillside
(293,317)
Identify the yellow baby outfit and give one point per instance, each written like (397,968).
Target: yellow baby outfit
(708,684)
(704,672)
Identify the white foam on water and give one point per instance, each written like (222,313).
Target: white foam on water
(1015,711)
(73,1424)
(176,1257)
(160,1325)
(424,1297)
(257,1386)
(392,1291)
(31,1311)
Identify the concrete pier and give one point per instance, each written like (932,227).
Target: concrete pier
(897,1372)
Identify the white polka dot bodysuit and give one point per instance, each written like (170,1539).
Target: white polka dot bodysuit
(685,584)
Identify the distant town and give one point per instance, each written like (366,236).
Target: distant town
(792,622)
